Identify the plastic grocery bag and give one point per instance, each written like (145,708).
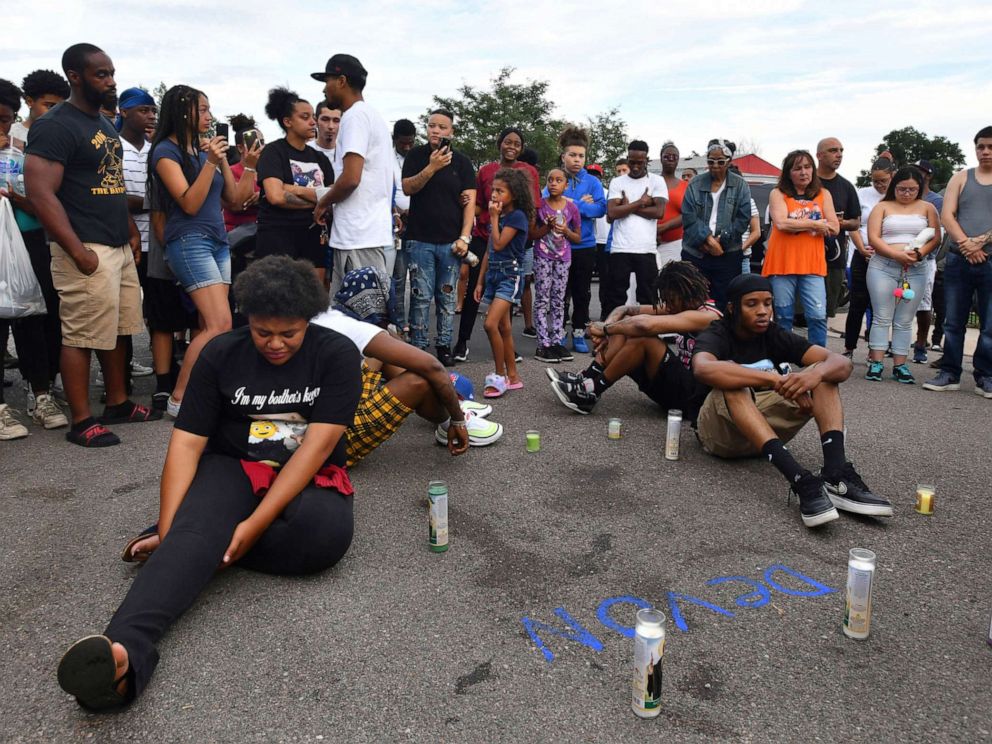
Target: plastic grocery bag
(20,293)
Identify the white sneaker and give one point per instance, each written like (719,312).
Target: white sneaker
(47,413)
(480,431)
(478,409)
(172,407)
(10,427)
(140,370)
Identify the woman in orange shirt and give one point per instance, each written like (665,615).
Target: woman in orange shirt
(670,224)
(802,213)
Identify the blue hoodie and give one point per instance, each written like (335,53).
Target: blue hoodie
(577,187)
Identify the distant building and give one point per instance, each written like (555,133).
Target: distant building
(754,169)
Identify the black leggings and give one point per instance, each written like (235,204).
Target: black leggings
(579,287)
(470,308)
(312,534)
(860,300)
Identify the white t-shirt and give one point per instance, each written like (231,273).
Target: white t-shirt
(633,233)
(357,331)
(328,151)
(401,199)
(365,219)
(135,181)
(868,197)
(716,206)
(18,136)
(602,230)
(747,232)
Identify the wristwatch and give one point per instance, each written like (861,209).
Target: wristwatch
(919,256)
(465,239)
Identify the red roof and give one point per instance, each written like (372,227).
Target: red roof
(755,166)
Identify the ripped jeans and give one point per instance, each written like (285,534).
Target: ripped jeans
(433,275)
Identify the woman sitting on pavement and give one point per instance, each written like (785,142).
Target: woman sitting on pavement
(892,231)
(254,474)
(650,343)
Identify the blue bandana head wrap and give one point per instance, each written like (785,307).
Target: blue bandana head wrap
(366,294)
(128,100)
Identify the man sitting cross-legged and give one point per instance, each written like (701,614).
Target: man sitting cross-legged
(757,404)
(652,344)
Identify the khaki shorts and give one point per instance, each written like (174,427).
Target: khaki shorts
(98,308)
(720,436)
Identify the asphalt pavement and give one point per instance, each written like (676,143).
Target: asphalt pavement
(518,632)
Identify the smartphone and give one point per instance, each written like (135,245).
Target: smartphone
(250,137)
(223,130)
(443,143)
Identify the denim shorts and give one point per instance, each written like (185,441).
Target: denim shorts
(198,261)
(504,281)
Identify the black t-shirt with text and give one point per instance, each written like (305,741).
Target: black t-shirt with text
(846,200)
(254,410)
(92,193)
(306,167)
(436,210)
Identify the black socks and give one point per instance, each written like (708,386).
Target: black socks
(834,458)
(163,383)
(782,459)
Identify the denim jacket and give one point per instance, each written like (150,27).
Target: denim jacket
(733,215)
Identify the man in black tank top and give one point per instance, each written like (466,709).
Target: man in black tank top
(967,217)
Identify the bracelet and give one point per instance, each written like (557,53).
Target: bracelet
(606,329)
(460,424)
(250,170)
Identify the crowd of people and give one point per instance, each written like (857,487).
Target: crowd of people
(134,212)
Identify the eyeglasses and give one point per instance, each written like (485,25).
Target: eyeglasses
(719,162)
(907,190)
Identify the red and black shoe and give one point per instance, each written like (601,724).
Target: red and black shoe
(96,435)
(129,412)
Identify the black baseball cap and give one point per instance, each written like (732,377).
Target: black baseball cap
(341,64)
(924,165)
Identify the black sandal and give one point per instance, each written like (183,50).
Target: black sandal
(126,553)
(89,673)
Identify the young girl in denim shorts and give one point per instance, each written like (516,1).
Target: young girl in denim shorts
(511,211)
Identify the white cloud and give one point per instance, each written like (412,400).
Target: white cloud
(781,73)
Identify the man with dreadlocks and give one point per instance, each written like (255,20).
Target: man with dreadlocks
(756,403)
(652,344)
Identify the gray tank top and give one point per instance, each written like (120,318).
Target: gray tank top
(975,207)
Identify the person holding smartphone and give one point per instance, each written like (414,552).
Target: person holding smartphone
(290,173)
(192,175)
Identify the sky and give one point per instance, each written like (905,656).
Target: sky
(780,75)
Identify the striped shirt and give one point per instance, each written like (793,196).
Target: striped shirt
(135,179)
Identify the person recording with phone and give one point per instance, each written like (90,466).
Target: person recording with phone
(249,143)
(191,172)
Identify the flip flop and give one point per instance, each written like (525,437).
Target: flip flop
(89,673)
(126,555)
(136,414)
(96,435)
(518,385)
(495,385)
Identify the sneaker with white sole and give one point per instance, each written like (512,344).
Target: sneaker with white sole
(815,506)
(983,387)
(556,376)
(943,381)
(575,396)
(47,413)
(10,427)
(852,494)
(140,370)
(476,409)
(481,432)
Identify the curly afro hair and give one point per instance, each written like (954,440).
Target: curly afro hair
(280,105)
(573,136)
(44,82)
(280,287)
(10,95)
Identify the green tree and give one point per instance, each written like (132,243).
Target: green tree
(909,145)
(158,91)
(480,115)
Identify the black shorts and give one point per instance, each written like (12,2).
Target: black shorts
(165,308)
(295,242)
(673,386)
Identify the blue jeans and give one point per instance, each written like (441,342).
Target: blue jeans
(884,275)
(719,272)
(961,281)
(813,294)
(433,274)
(399,284)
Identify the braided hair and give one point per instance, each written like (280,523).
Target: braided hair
(680,286)
(179,116)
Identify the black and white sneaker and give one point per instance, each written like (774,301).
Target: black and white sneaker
(529,332)
(570,377)
(546,354)
(852,494)
(575,396)
(564,355)
(461,351)
(815,506)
